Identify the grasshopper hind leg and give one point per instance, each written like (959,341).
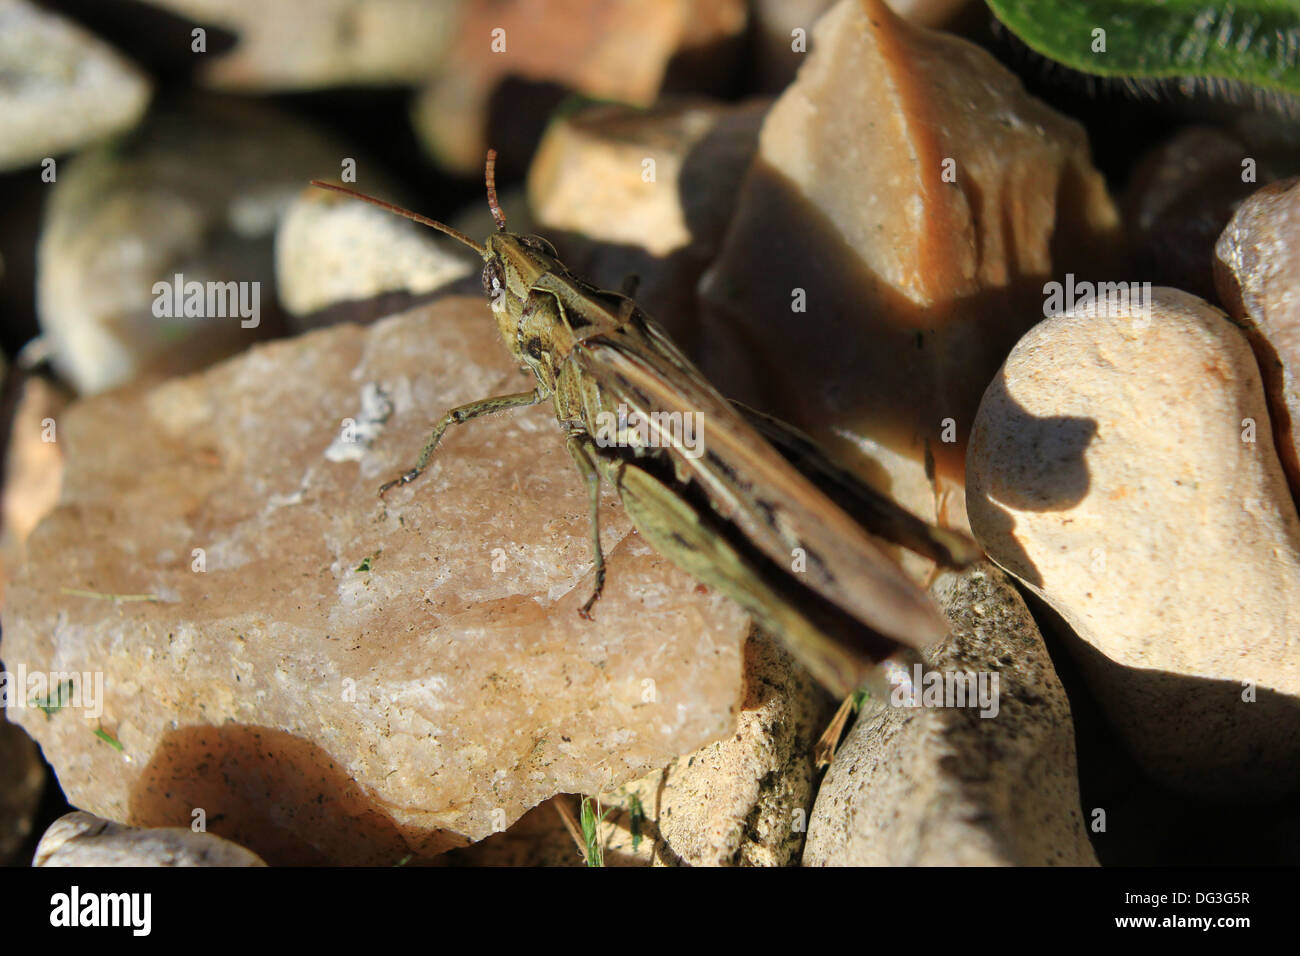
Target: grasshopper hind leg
(579,446)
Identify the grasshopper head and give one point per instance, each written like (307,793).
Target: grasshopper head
(512,265)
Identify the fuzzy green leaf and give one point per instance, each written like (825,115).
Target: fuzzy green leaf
(1250,41)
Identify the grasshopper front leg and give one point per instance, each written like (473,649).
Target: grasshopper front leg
(457,416)
(580,450)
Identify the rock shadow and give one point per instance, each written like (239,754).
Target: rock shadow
(1213,817)
(280,796)
(1051,473)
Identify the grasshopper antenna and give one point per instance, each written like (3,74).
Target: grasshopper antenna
(413,216)
(490,173)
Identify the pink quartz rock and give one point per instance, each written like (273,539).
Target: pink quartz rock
(348,679)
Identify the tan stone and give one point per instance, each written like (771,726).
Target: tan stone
(331,250)
(741,801)
(309,44)
(63,87)
(1257,270)
(744,800)
(947,786)
(83,839)
(353,680)
(1122,467)
(780,52)
(615,173)
(624,191)
(913,288)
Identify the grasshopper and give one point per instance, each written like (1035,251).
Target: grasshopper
(735,513)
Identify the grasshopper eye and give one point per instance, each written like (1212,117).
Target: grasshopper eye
(493,279)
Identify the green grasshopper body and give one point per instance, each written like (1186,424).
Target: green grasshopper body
(734,513)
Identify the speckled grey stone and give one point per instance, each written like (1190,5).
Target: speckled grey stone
(944,786)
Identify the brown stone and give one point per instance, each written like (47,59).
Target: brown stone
(1181,195)
(914,288)
(622,50)
(744,800)
(33,468)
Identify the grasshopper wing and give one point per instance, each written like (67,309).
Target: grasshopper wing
(749,484)
(690,539)
(878,513)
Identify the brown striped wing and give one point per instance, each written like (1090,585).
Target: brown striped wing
(751,485)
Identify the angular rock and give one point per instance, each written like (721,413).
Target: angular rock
(22,782)
(778,52)
(196,192)
(624,50)
(743,800)
(928,13)
(1122,467)
(616,173)
(1257,270)
(647,192)
(350,679)
(33,469)
(862,296)
(83,839)
(331,250)
(946,786)
(775,21)
(317,43)
(63,88)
